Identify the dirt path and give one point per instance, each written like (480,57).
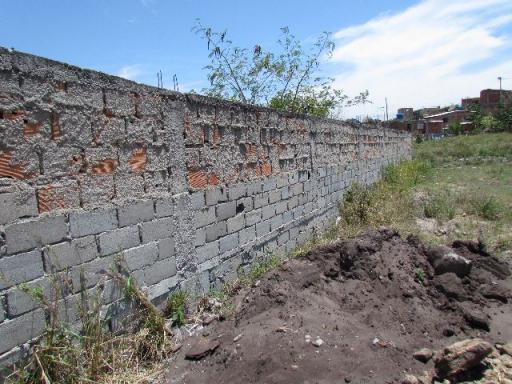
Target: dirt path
(368,305)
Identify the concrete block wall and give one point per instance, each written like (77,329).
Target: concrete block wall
(185,190)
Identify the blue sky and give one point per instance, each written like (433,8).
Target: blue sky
(416,53)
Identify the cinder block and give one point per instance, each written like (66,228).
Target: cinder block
(274,196)
(263,228)
(276,222)
(162,288)
(247,235)
(77,251)
(197,285)
(197,200)
(268,212)
(246,203)
(207,252)
(285,193)
(18,204)
(254,188)
(93,272)
(21,329)
(166,248)
(260,200)
(21,268)
(2,314)
(164,207)
(287,217)
(157,229)
(204,217)
(160,270)
(141,256)
(293,202)
(118,240)
(225,210)
(92,222)
(283,238)
(235,192)
(200,237)
(253,217)
(27,235)
(236,223)
(214,231)
(297,189)
(135,213)
(229,242)
(20,302)
(269,185)
(281,207)
(215,196)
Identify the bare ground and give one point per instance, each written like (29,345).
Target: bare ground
(367,300)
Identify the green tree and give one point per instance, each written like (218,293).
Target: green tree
(287,79)
(504,117)
(455,128)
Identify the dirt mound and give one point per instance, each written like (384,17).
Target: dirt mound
(356,312)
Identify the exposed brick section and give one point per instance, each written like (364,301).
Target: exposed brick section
(104,167)
(197,178)
(138,159)
(9,170)
(31,129)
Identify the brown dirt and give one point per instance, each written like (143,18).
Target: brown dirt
(363,298)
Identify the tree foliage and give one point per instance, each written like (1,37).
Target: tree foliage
(287,79)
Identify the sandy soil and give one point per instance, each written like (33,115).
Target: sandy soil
(365,302)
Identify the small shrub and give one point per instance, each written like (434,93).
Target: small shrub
(176,307)
(420,275)
(259,269)
(486,207)
(439,206)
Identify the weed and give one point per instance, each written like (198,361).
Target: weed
(486,207)
(420,275)
(175,307)
(440,205)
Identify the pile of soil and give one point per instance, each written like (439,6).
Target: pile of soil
(354,312)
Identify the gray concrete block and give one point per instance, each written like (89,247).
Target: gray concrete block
(215,196)
(263,228)
(267,212)
(164,207)
(276,222)
(283,238)
(204,217)
(229,242)
(247,235)
(160,270)
(163,287)
(281,207)
(254,187)
(253,217)
(235,192)
(274,196)
(225,210)
(157,229)
(293,202)
(260,200)
(135,213)
(236,223)
(93,272)
(26,235)
(197,285)
(77,251)
(21,268)
(118,240)
(282,180)
(214,231)
(200,237)
(21,329)
(92,222)
(166,248)
(297,189)
(269,185)
(207,252)
(287,217)
(141,256)
(18,204)
(2,311)
(197,200)
(285,193)
(20,302)
(246,202)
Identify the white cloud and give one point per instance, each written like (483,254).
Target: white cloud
(433,53)
(130,72)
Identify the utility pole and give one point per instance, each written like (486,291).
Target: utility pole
(387,116)
(499,79)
